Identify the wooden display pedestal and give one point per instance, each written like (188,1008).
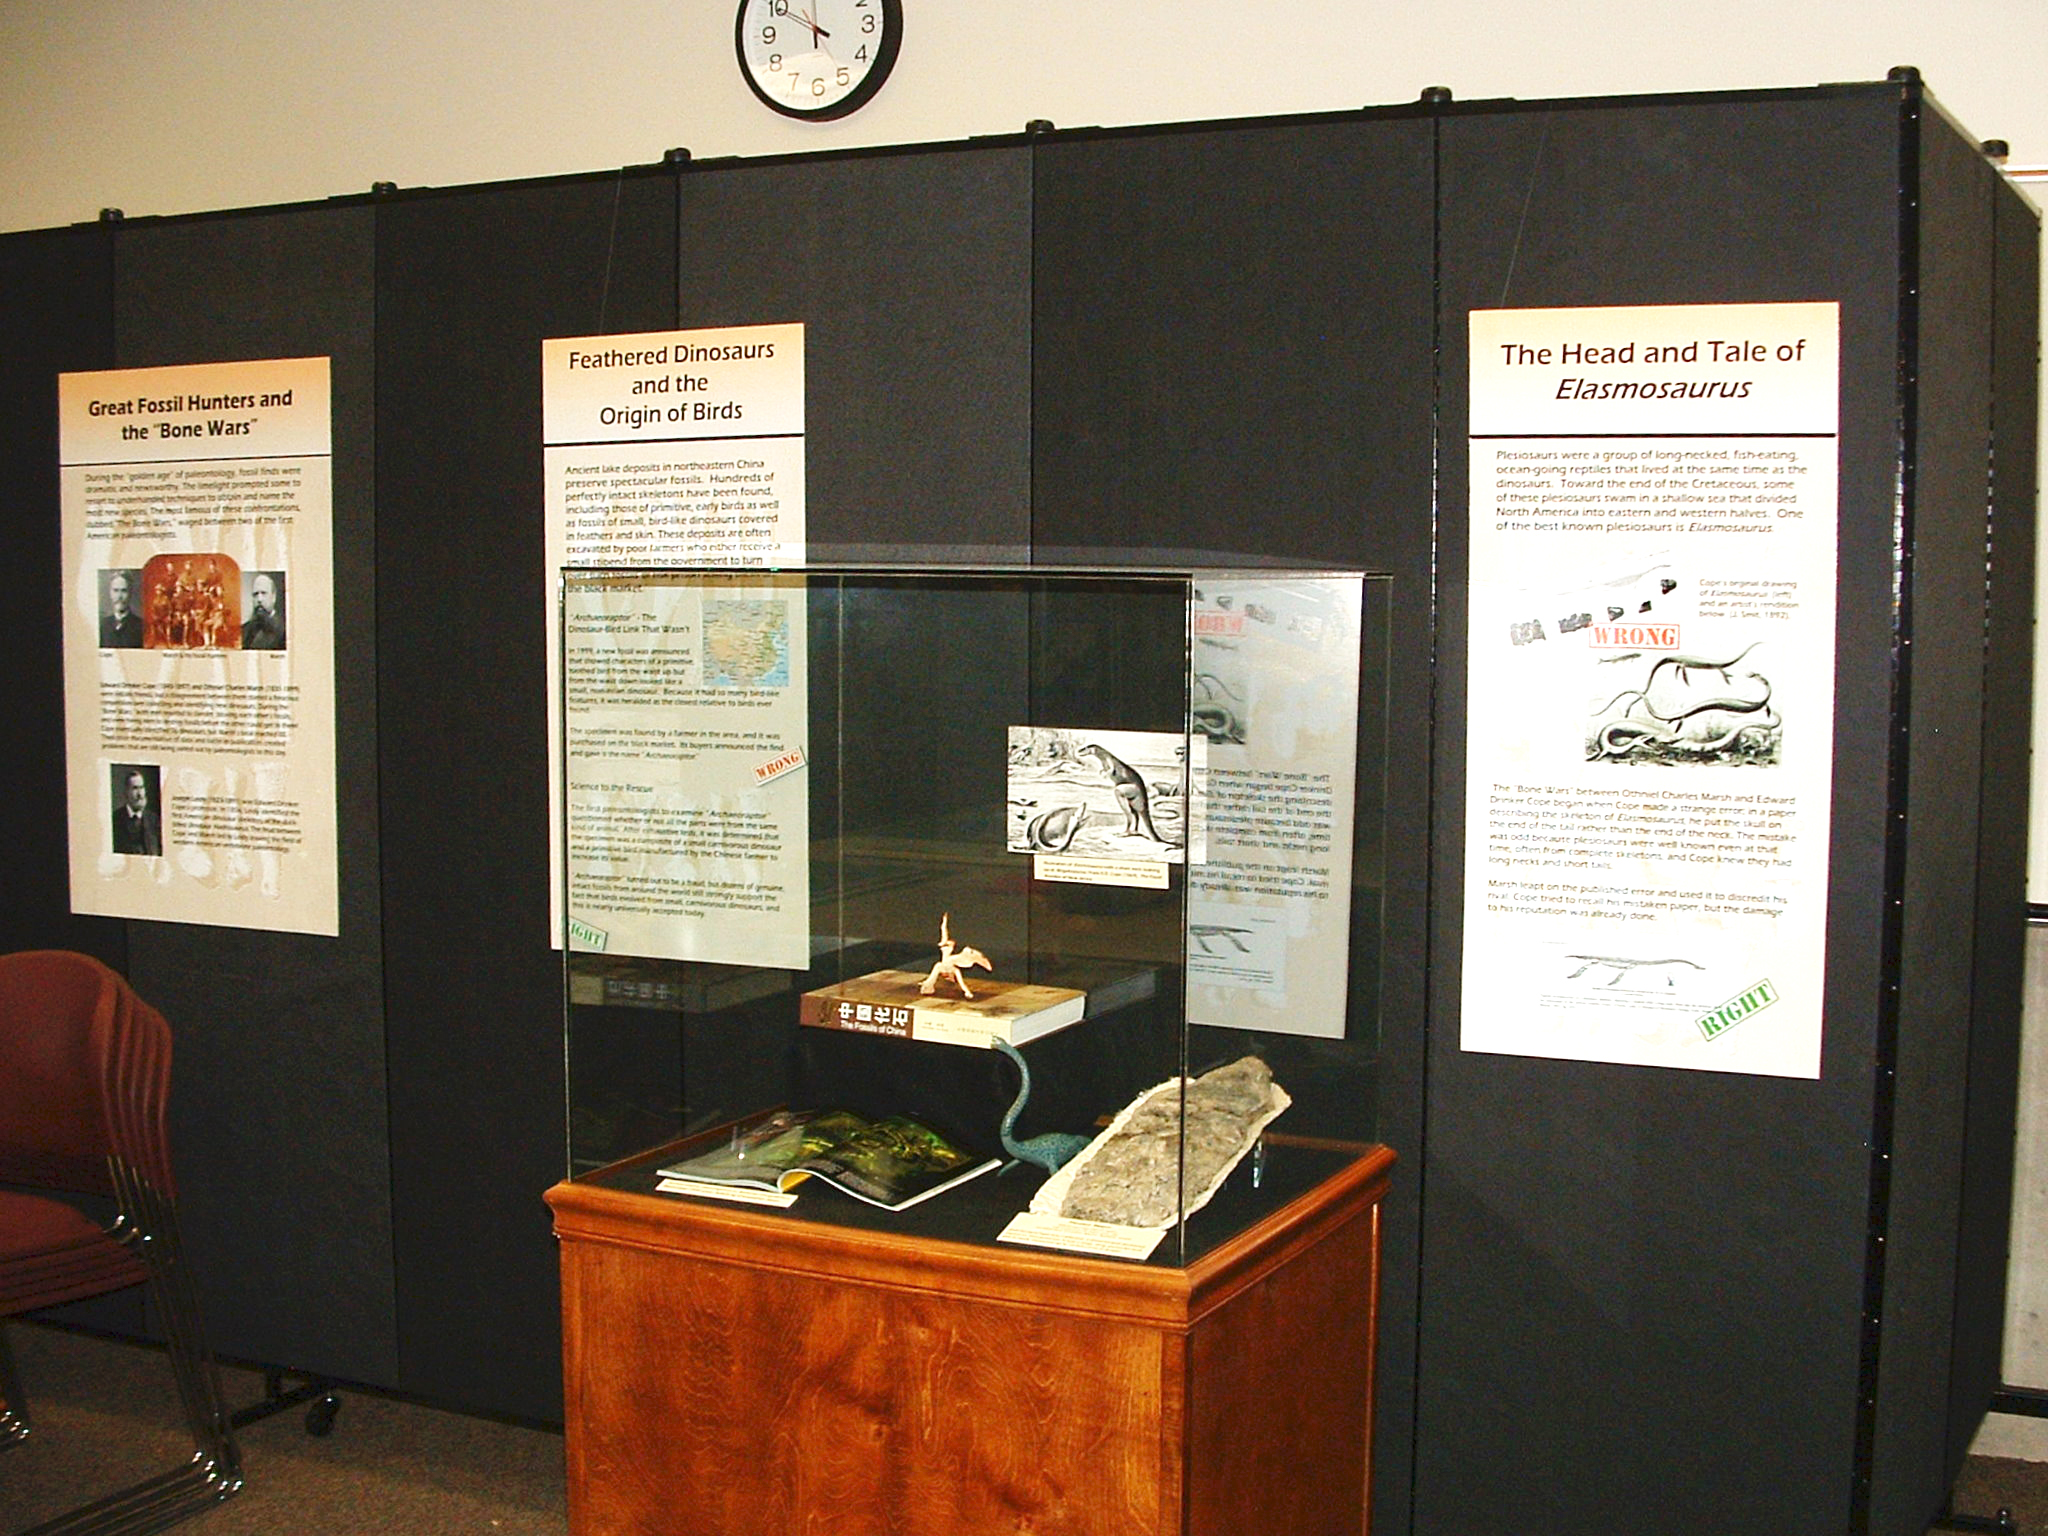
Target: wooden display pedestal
(731,1371)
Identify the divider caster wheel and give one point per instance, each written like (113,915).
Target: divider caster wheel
(320,1417)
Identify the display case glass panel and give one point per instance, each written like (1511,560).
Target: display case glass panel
(992,906)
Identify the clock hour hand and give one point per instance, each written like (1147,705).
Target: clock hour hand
(817,31)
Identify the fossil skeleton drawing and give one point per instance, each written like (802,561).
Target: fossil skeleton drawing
(1689,708)
(1624,966)
(1202,933)
(1214,711)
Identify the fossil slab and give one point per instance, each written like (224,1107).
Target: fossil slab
(1132,1175)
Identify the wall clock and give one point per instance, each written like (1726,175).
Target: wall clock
(817,59)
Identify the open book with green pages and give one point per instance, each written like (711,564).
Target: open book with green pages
(893,1162)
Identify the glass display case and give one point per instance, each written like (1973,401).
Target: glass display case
(1006,907)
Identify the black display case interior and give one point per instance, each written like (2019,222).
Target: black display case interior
(957,733)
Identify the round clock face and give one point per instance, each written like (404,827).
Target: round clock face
(817,59)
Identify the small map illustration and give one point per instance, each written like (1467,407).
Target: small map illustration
(746,643)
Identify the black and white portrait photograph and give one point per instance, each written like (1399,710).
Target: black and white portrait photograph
(137,820)
(120,613)
(263,610)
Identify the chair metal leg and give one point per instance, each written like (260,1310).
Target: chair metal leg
(198,1375)
(148,1507)
(214,1473)
(2000,1524)
(13,1403)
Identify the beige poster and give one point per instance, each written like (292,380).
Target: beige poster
(199,643)
(1650,711)
(665,450)
(687,781)
(1273,679)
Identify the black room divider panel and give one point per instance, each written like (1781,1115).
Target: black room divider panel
(1714,1301)
(468,285)
(1216,383)
(1990,1113)
(278,1097)
(1231,348)
(1929,969)
(63,320)
(60,319)
(912,275)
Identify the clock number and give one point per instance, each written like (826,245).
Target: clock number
(808,75)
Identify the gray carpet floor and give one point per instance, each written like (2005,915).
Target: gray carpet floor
(105,1415)
(1991,1483)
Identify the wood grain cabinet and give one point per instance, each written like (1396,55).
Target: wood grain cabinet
(732,1371)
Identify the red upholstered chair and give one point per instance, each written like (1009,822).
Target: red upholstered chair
(85,1071)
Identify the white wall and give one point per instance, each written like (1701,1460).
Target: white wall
(179,106)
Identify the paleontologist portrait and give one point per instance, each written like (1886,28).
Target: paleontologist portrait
(137,824)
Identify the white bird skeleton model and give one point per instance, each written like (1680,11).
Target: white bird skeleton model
(953,960)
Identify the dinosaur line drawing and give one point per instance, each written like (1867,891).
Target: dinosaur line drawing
(1624,965)
(1652,728)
